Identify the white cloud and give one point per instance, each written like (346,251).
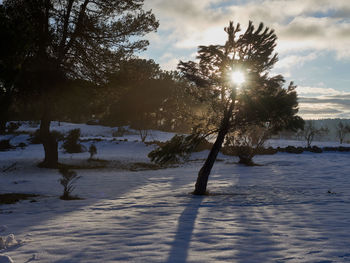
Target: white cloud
(317,91)
(194,23)
(312,33)
(170,64)
(322,102)
(306,29)
(289,62)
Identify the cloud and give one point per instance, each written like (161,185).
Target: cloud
(314,33)
(319,113)
(190,23)
(168,61)
(306,30)
(323,102)
(317,91)
(336,105)
(299,24)
(289,62)
(322,111)
(170,64)
(336,102)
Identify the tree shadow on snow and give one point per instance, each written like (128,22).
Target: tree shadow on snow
(182,239)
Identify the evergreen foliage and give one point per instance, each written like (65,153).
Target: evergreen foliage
(127,100)
(178,148)
(260,99)
(71,143)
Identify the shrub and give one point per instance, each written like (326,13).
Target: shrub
(5,145)
(247,141)
(12,126)
(343,149)
(245,154)
(92,150)
(71,144)
(22,145)
(59,136)
(314,149)
(68,180)
(179,147)
(293,149)
(202,145)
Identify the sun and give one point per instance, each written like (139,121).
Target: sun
(237,77)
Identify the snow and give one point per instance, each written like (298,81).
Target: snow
(284,143)
(5,259)
(292,208)
(97,131)
(8,241)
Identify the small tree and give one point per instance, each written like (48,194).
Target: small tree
(310,131)
(92,151)
(248,141)
(342,130)
(143,134)
(68,180)
(71,143)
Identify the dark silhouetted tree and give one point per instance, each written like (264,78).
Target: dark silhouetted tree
(145,97)
(260,99)
(138,93)
(17,39)
(76,39)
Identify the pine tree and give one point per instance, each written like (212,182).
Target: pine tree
(251,54)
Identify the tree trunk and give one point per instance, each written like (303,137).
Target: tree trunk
(50,144)
(204,172)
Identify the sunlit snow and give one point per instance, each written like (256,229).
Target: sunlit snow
(292,208)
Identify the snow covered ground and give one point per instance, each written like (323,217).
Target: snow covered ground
(292,208)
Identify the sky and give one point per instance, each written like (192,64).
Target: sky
(313,42)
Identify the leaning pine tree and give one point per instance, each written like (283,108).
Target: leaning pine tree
(233,79)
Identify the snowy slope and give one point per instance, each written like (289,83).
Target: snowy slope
(293,208)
